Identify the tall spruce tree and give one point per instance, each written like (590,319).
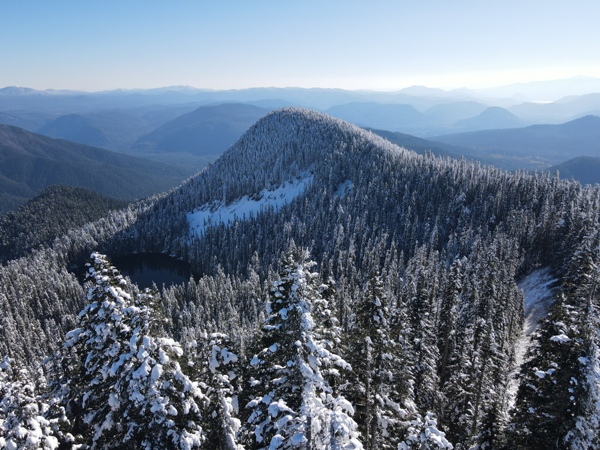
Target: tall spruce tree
(223,384)
(375,388)
(292,405)
(124,382)
(24,421)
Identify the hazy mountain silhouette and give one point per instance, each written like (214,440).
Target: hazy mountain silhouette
(493,117)
(567,108)
(114,130)
(203,134)
(393,117)
(549,90)
(535,146)
(450,113)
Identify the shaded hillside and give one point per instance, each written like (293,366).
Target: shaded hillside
(113,130)
(417,144)
(423,146)
(393,117)
(30,120)
(30,162)
(202,134)
(493,117)
(52,213)
(536,146)
(584,169)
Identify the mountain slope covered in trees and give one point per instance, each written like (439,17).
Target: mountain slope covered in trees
(376,307)
(56,210)
(585,169)
(30,162)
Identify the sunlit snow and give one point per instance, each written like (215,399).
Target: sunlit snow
(538,295)
(216,212)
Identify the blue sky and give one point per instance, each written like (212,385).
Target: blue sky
(380,45)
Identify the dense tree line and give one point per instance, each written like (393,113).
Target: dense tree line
(55,211)
(404,326)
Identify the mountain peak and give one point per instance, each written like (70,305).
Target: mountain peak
(281,146)
(18,90)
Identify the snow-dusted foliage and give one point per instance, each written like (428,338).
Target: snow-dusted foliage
(23,415)
(378,385)
(218,212)
(222,377)
(423,434)
(558,396)
(450,238)
(126,384)
(292,405)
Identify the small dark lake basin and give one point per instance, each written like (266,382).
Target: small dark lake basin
(146,268)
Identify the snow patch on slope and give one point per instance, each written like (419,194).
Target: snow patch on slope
(539,292)
(539,297)
(343,188)
(217,212)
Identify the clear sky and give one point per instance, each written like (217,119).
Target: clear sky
(229,44)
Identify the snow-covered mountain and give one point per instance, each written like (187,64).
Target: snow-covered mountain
(403,270)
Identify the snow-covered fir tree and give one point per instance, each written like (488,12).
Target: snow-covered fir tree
(24,418)
(374,386)
(124,382)
(423,434)
(291,403)
(222,377)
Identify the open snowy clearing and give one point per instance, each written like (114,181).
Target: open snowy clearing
(216,212)
(538,292)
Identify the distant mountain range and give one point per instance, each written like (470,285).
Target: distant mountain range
(548,102)
(30,162)
(191,127)
(532,147)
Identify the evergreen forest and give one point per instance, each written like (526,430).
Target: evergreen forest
(346,294)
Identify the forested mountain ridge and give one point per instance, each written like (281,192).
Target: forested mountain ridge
(30,162)
(52,213)
(405,328)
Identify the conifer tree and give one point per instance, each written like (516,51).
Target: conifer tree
(419,294)
(423,434)
(96,354)
(222,379)
(129,388)
(292,405)
(24,422)
(450,302)
(375,388)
